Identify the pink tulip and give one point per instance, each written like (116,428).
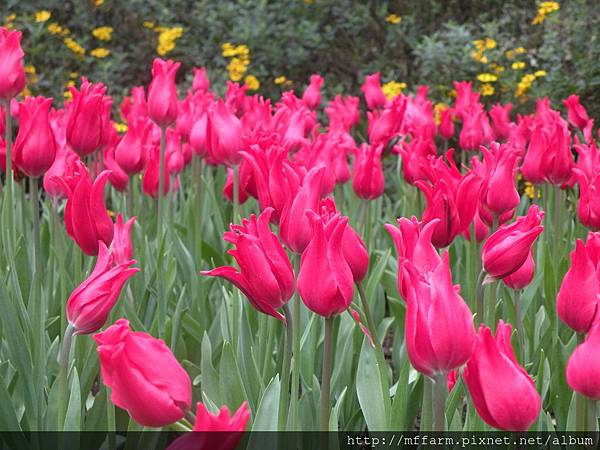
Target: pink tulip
(225,135)
(368,180)
(144,377)
(130,153)
(502,391)
(265,276)
(583,367)
(500,115)
(446,127)
(151,176)
(35,146)
(312,94)
(134,105)
(507,249)
(118,178)
(577,300)
(343,112)
(12,73)
(90,304)
(372,91)
(521,278)
(121,246)
(476,129)
(162,92)
(200,83)
(385,124)
(576,112)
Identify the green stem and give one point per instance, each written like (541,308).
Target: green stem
(580,400)
(130,206)
(190,416)
(326,378)
(557,225)
(269,348)
(284,398)
(9,181)
(480,295)
(236,194)
(440,388)
(161,182)
(111,421)
(426,407)
(592,418)
(63,374)
(519,323)
(35,210)
(296,361)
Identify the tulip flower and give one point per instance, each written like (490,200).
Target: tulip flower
(200,83)
(118,178)
(225,135)
(439,329)
(294,224)
(583,367)
(576,112)
(413,244)
(368,181)
(372,91)
(150,178)
(520,278)
(446,127)
(88,118)
(228,429)
(162,92)
(130,152)
(35,146)
(90,304)
(577,299)
(228,188)
(476,130)
(386,123)
(64,166)
(86,218)
(502,391)
(325,280)
(587,174)
(343,112)
(466,99)
(121,247)
(144,377)
(134,105)
(507,249)
(265,274)
(12,73)
(500,115)
(199,134)
(312,94)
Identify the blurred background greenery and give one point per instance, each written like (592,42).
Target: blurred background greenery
(511,50)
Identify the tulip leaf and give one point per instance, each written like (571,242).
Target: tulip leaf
(334,418)
(210,377)
(230,381)
(371,396)
(267,413)
(73,417)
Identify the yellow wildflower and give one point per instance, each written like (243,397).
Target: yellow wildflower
(540,73)
(100,52)
(120,127)
(11,17)
(73,75)
(67,95)
(393,19)
(167,38)
(392,89)
(452,93)
(497,68)
(487,89)
(530,190)
(148,24)
(252,82)
(437,112)
(26,92)
(510,54)
(42,16)
(487,77)
(544,9)
(98,2)
(55,28)
(280,79)
(520,50)
(30,69)
(490,43)
(518,65)
(103,33)
(74,46)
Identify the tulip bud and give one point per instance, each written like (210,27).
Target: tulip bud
(144,377)
(162,92)
(325,281)
(368,181)
(439,325)
(372,91)
(577,299)
(88,117)
(35,146)
(583,367)
(312,94)
(121,247)
(507,249)
(86,218)
(90,304)
(502,391)
(265,275)
(12,73)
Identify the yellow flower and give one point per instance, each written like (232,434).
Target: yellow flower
(392,89)
(98,2)
(518,65)
(452,93)
(252,82)
(540,73)
(74,46)
(437,112)
(120,127)
(487,77)
(148,24)
(487,89)
(497,68)
(544,9)
(100,52)
(55,28)
(280,79)
(510,54)
(167,38)
(30,69)
(530,190)
(520,50)
(73,75)
(67,95)
(393,19)
(26,92)
(11,17)
(42,16)
(490,43)
(479,44)
(103,33)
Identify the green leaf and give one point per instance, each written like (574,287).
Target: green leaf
(230,381)
(371,396)
(73,417)
(268,409)
(334,418)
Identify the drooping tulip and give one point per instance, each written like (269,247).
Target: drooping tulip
(90,304)
(372,91)
(265,274)
(121,247)
(583,367)
(35,146)
(368,180)
(312,95)
(294,224)
(502,391)
(144,377)
(130,153)
(86,219)
(506,250)
(439,329)
(162,92)
(577,299)
(12,72)
(88,118)
(325,281)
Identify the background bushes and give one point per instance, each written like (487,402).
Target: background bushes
(434,43)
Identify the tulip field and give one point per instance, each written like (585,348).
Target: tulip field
(227,262)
